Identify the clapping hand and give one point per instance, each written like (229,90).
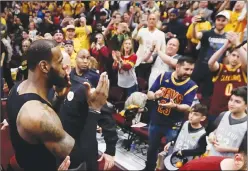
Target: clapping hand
(98,97)
(233,38)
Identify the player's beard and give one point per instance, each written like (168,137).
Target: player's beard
(56,80)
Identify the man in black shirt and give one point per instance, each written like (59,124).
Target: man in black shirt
(82,126)
(211,41)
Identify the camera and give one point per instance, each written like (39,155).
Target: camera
(201,20)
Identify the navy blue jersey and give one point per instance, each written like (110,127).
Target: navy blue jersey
(181,92)
(90,76)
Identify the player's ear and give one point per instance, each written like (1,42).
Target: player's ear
(44,66)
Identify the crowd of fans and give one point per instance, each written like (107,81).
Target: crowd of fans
(204,41)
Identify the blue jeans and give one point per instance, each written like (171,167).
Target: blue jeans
(155,133)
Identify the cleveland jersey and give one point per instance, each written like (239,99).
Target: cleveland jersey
(224,82)
(182,92)
(229,134)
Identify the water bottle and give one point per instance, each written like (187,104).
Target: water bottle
(132,147)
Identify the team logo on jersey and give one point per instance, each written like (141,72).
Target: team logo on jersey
(167,80)
(70,96)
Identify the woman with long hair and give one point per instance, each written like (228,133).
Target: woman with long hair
(124,62)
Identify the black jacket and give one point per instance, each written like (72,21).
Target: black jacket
(81,124)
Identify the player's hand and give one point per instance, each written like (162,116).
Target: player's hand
(167,146)
(98,97)
(4,125)
(65,164)
(109,161)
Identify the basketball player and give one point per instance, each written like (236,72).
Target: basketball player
(227,77)
(36,131)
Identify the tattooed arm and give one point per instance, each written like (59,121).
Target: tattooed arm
(37,122)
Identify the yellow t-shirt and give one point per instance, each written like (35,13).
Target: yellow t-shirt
(78,7)
(3,21)
(84,38)
(67,8)
(25,7)
(73,59)
(199,27)
(51,6)
(233,22)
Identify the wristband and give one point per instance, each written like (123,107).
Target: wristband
(94,111)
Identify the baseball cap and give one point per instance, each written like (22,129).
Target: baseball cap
(223,14)
(70,27)
(68,42)
(58,31)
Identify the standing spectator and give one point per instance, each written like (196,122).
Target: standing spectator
(23,70)
(203,5)
(175,28)
(165,62)
(124,61)
(227,77)
(83,33)
(176,92)
(147,37)
(58,37)
(70,35)
(101,53)
(47,24)
(201,25)
(211,41)
(69,49)
(32,31)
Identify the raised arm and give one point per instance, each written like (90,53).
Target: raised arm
(195,33)
(213,61)
(234,40)
(167,59)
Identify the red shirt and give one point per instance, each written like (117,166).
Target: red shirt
(204,163)
(224,82)
(129,62)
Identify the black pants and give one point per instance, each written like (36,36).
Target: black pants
(144,71)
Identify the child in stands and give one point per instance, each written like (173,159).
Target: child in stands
(124,62)
(190,142)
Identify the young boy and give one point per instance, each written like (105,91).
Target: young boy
(191,140)
(230,127)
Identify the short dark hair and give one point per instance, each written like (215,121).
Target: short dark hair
(241,92)
(200,108)
(186,59)
(40,50)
